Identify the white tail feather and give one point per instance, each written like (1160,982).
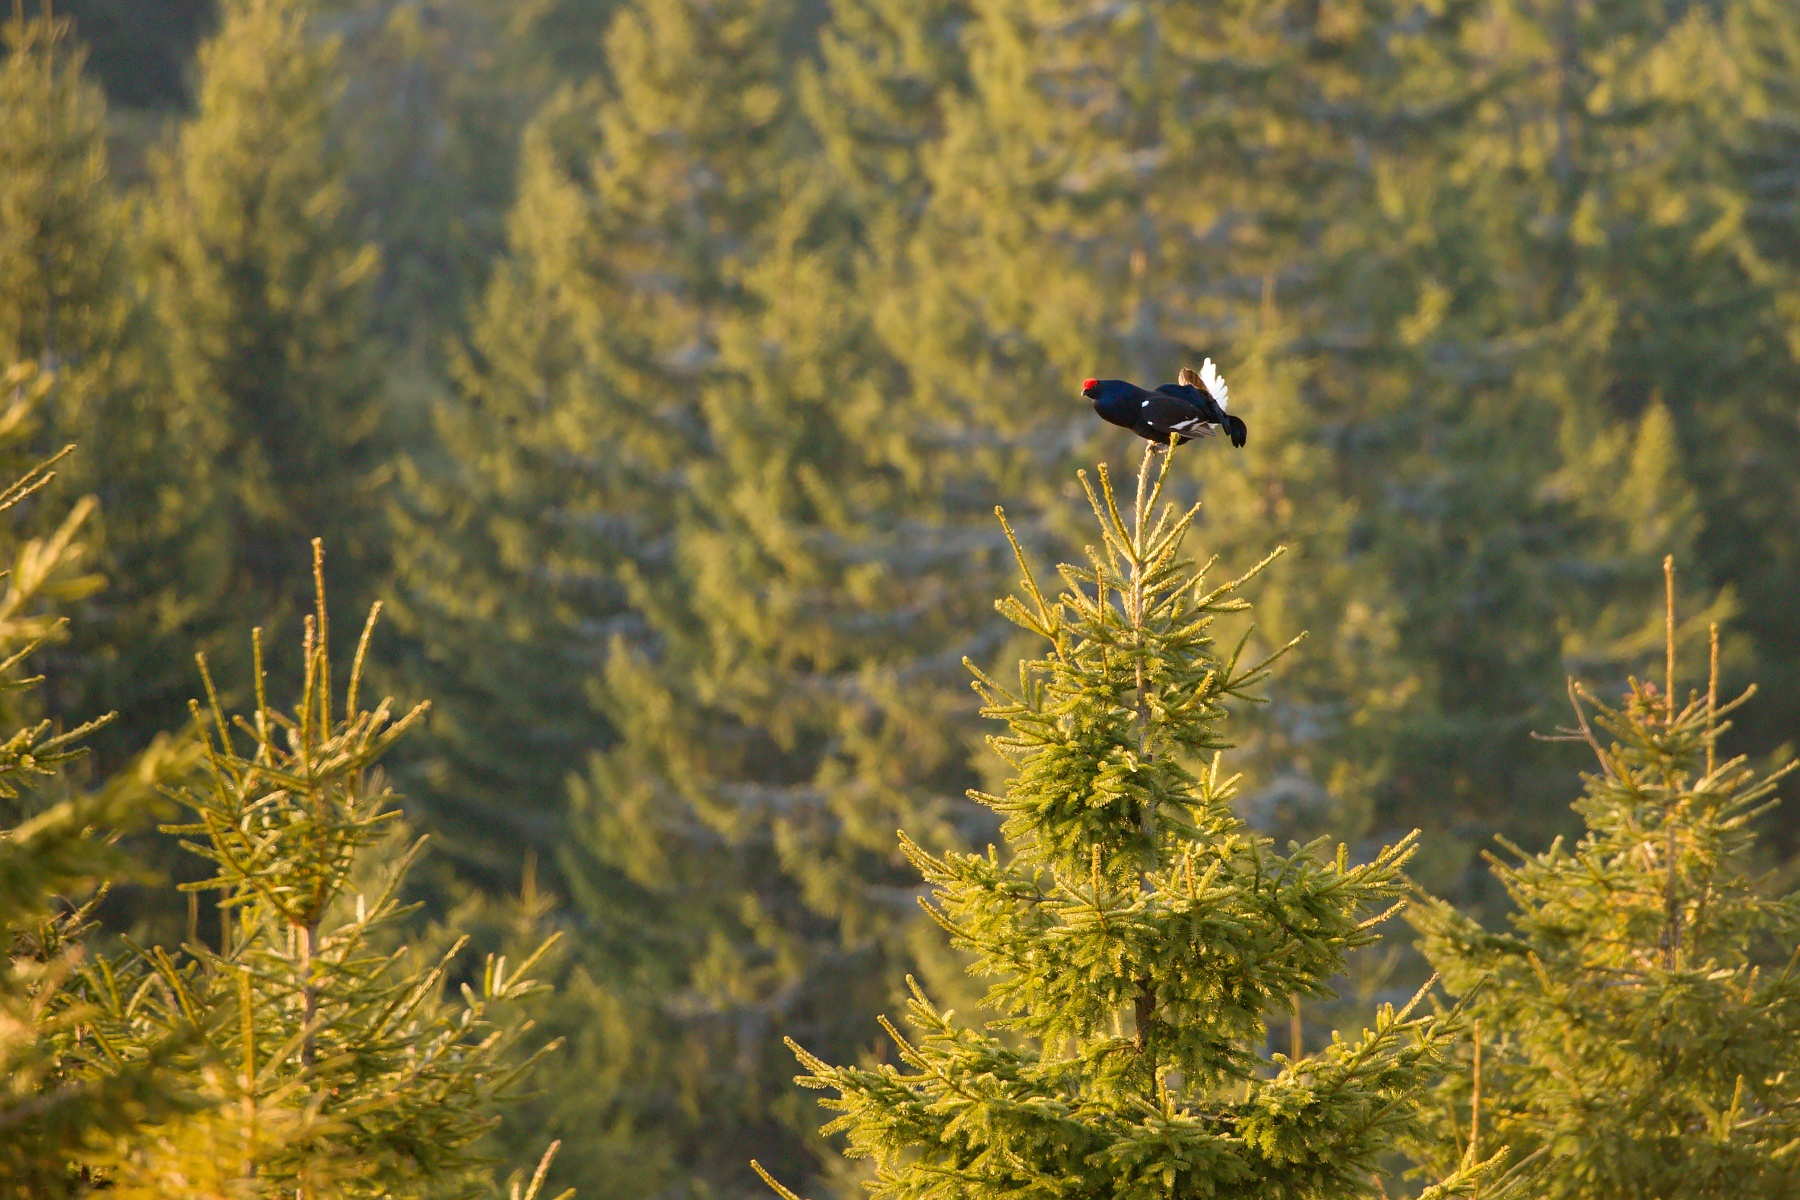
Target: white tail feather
(1214,382)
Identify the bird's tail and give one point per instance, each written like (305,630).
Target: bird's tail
(1237,430)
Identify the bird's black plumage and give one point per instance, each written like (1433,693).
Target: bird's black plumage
(1192,408)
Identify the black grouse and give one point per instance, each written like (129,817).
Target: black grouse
(1192,408)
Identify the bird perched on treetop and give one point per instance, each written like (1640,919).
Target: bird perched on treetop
(1192,408)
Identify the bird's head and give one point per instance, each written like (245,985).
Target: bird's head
(1104,391)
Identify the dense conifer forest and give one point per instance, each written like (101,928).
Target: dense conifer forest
(500,528)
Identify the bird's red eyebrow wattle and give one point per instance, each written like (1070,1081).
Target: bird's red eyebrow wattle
(1086,384)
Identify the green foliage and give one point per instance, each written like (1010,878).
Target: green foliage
(692,529)
(562,452)
(329,1061)
(562,447)
(876,103)
(1638,1019)
(48,1113)
(506,534)
(1546,327)
(1289,195)
(262,290)
(65,290)
(1132,888)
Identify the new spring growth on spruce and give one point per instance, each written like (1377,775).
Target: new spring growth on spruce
(296,799)
(1139,937)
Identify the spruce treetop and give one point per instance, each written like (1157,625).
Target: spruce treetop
(1139,933)
(1643,1012)
(330,1060)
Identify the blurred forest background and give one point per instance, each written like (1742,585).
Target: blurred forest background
(659,363)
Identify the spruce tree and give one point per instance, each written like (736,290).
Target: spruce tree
(329,1061)
(1636,1022)
(504,539)
(1139,935)
(51,1109)
(262,290)
(725,393)
(876,103)
(1316,757)
(308,1052)
(790,704)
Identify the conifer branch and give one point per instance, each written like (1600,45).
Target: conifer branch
(1712,697)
